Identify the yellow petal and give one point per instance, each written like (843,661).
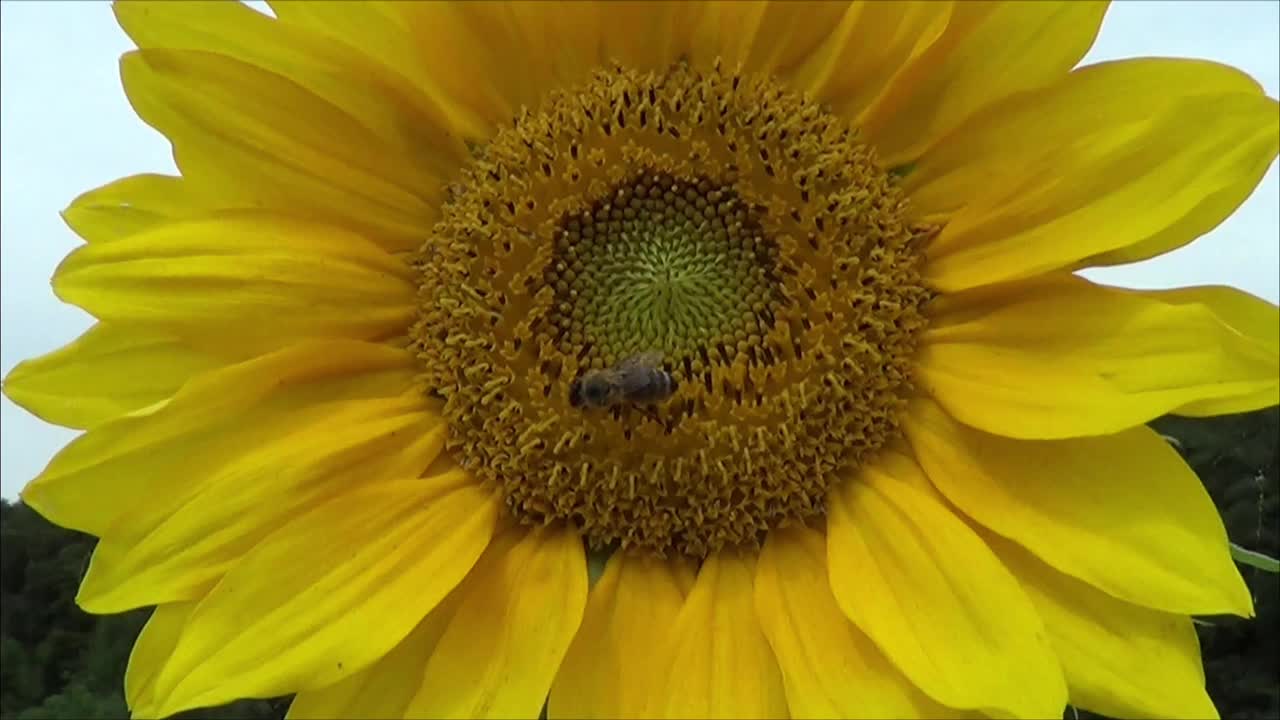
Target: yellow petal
(649,35)
(420,145)
(131,205)
(771,38)
(571,40)
(1095,102)
(616,662)
(148,462)
(517,614)
(1058,357)
(1187,163)
(1246,314)
(490,75)
(276,145)
(409,48)
(721,664)
(362,442)
(487,46)
(865,49)
(1222,194)
(385,688)
(1120,660)
(1263,397)
(109,371)
(987,52)
(150,652)
(386,33)
(830,668)
(372,27)
(330,592)
(933,598)
(243,279)
(1250,316)
(1121,512)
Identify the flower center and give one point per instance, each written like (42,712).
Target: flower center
(672,309)
(660,263)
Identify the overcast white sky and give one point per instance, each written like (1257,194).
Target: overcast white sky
(65,127)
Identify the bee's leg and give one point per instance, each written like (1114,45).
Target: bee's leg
(651,412)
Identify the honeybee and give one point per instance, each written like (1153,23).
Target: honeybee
(637,379)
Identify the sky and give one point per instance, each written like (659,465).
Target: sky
(65,127)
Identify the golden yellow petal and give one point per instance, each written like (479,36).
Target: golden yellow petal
(616,664)
(420,142)
(483,614)
(1120,660)
(1058,356)
(1264,396)
(517,613)
(987,52)
(487,47)
(772,38)
(1073,503)
(865,49)
(130,205)
(109,371)
(150,652)
(1248,315)
(243,280)
(721,664)
(371,27)
(935,600)
(125,475)
(490,72)
(330,592)
(1152,180)
(385,688)
(352,443)
(1009,142)
(647,34)
(410,46)
(277,145)
(830,669)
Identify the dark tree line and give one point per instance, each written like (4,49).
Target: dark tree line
(59,662)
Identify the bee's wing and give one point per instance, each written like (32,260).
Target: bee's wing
(636,372)
(648,360)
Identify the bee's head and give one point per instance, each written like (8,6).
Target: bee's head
(575,393)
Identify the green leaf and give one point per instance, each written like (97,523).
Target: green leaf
(1251,558)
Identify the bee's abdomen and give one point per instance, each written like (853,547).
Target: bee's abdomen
(660,385)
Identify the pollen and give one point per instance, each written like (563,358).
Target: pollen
(739,230)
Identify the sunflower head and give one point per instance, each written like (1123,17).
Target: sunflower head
(715,218)
(777,299)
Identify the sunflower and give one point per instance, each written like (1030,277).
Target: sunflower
(655,360)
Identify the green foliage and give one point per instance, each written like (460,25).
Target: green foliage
(1262,561)
(58,662)
(77,701)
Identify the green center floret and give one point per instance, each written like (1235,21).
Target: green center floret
(662,265)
